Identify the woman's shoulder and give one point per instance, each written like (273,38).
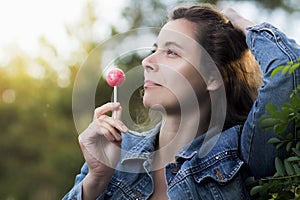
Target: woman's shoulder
(212,143)
(220,166)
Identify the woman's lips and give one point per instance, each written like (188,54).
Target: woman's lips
(148,84)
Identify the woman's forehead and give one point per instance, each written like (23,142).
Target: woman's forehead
(181,26)
(180,31)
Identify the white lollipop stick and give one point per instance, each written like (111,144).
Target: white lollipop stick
(115,101)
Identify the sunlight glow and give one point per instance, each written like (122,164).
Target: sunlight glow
(36,70)
(8,96)
(23,23)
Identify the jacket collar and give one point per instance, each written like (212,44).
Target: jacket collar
(145,147)
(207,145)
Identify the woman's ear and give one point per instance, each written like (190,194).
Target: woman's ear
(213,83)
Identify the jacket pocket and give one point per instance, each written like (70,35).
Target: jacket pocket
(221,167)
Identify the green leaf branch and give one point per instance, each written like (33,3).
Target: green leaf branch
(285,183)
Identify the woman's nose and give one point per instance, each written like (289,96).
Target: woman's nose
(150,63)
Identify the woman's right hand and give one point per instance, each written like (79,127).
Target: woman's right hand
(238,21)
(101,145)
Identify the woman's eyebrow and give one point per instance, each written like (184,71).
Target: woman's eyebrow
(155,45)
(170,43)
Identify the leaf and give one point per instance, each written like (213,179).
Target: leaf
(250,180)
(274,196)
(298,190)
(270,108)
(285,69)
(256,189)
(295,101)
(296,151)
(279,167)
(280,128)
(298,135)
(268,123)
(282,116)
(276,174)
(298,145)
(296,168)
(288,146)
(288,167)
(293,159)
(287,195)
(279,145)
(289,136)
(294,67)
(287,108)
(276,70)
(274,140)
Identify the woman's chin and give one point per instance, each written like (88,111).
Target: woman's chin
(147,103)
(153,105)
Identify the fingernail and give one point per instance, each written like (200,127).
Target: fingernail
(124,128)
(119,138)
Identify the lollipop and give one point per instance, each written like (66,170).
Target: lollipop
(115,78)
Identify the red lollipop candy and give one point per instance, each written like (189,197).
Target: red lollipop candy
(115,77)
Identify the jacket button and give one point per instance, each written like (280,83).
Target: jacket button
(109,193)
(220,175)
(175,170)
(140,196)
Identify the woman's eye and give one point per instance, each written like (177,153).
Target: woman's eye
(171,53)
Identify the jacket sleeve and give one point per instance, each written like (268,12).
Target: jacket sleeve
(271,49)
(76,191)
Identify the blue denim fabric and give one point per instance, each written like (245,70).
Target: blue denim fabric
(219,174)
(271,48)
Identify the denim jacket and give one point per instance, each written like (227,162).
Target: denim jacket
(238,151)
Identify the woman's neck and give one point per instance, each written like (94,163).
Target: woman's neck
(176,131)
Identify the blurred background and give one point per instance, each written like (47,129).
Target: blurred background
(43,43)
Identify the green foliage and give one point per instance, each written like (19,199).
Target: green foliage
(289,68)
(39,149)
(285,183)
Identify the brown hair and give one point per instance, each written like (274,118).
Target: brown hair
(228,49)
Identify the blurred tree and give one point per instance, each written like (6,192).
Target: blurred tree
(36,133)
(287,5)
(39,149)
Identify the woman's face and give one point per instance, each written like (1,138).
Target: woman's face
(170,72)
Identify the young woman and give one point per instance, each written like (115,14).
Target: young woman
(203,78)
